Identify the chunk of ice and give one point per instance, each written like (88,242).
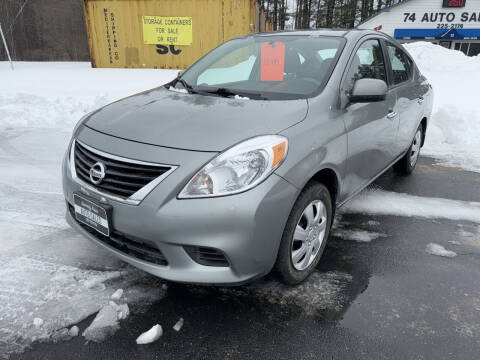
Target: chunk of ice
(37,322)
(117,294)
(105,324)
(74,330)
(150,336)
(178,325)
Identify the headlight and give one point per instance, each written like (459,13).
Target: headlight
(239,168)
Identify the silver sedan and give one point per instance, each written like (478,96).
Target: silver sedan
(237,166)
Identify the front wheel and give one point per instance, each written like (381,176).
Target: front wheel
(305,234)
(407,163)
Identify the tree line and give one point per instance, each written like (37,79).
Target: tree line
(310,14)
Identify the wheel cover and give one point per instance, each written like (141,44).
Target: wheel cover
(415,151)
(309,235)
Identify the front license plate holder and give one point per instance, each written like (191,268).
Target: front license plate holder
(93,214)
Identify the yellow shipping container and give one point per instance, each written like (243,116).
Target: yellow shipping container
(166,34)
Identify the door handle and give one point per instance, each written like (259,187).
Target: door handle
(420,99)
(392,114)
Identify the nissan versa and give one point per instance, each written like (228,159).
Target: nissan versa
(236,167)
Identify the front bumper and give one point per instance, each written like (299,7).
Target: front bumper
(246,228)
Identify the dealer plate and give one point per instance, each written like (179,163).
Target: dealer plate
(91,214)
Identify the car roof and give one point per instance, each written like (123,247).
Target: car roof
(349,33)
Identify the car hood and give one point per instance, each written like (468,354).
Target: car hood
(194,122)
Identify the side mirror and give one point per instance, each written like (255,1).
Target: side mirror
(180,73)
(368,90)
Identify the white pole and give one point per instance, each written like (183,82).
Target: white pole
(6,47)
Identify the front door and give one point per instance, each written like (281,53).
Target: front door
(371,127)
(409,94)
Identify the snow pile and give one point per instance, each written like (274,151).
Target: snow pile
(59,94)
(454,130)
(439,250)
(150,336)
(379,202)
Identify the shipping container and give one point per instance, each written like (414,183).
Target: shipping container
(165,34)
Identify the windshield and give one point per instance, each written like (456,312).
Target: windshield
(266,67)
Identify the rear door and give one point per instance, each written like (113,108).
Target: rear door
(371,127)
(407,87)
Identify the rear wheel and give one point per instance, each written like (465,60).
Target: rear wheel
(305,235)
(407,163)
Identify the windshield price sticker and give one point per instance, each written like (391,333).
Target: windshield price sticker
(158,30)
(272,61)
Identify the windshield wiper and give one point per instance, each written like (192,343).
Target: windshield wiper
(227,92)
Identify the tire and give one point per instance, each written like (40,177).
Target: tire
(313,207)
(406,164)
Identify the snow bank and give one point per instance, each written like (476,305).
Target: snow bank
(439,250)
(379,202)
(454,131)
(56,94)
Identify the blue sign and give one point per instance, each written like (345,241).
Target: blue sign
(446,34)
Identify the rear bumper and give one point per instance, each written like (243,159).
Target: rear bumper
(246,228)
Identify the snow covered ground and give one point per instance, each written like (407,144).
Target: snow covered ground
(51,278)
(379,202)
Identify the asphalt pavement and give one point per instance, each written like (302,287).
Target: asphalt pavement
(391,299)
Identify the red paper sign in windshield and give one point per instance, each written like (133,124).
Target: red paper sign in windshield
(272,61)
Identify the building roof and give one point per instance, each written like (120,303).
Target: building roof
(383,10)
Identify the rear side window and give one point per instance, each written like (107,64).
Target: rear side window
(402,66)
(368,63)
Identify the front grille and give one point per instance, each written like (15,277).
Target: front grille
(126,244)
(122,178)
(207,256)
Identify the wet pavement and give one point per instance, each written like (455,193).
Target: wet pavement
(384,299)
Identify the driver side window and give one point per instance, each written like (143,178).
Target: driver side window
(368,63)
